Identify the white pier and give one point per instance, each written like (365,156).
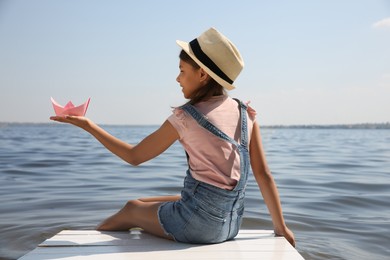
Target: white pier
(135,244)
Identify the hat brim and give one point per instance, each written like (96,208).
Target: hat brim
(186,47)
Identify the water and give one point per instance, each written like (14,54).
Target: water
(334,186)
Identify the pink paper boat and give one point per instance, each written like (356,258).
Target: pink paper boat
(69,109)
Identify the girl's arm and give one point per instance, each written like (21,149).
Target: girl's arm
(267,185)
(148,148)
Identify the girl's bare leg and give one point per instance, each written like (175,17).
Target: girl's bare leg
(138,213)
(161,198)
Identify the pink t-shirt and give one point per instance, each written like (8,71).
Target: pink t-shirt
(213,160)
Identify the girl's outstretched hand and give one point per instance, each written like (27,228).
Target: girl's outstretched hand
(79,121)
(287,234)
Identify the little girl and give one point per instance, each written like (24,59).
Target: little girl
(222,140)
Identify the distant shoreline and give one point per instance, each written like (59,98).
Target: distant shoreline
(335,126)
(302,126)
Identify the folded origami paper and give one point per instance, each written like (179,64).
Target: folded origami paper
(69,109)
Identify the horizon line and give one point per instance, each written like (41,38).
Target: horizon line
(262,126)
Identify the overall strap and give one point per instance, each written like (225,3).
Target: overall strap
(244,124)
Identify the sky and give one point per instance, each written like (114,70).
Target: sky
(306,62)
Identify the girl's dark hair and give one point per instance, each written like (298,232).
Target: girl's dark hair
(212,88)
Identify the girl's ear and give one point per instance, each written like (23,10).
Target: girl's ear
(204,77)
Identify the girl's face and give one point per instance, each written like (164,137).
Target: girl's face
(190,78)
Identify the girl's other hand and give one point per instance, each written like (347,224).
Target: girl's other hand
(287,234)
(79,121)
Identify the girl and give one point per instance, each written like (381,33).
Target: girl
(221,139)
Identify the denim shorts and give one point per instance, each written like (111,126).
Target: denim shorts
(205,214)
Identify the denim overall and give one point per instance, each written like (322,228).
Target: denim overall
(207,214)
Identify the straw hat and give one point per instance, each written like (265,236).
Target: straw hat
(217,55)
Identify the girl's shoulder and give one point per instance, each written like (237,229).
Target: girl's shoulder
(218,104)
(251,111)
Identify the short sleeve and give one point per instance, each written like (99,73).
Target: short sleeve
(251,112)
(178,119)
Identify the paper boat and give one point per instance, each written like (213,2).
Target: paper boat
(69,109)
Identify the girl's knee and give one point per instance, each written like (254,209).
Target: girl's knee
(132,204)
